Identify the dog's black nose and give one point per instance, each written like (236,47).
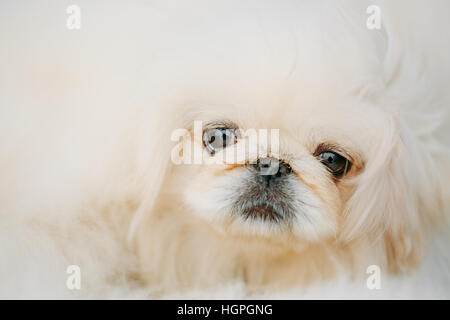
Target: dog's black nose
(270,169)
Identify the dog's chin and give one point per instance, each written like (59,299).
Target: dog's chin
(267,222)
(261,217)
(265,219)
(263,212)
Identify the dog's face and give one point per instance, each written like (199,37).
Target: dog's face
(344,165)
(291,182)
(336,170)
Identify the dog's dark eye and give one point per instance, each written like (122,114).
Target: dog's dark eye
(337,164)
(218,138)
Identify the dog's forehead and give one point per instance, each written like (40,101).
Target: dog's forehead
(267,55)
(300,117)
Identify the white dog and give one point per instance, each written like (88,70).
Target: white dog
(356,176)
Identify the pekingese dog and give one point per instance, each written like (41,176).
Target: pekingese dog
(350,184)
(276,145)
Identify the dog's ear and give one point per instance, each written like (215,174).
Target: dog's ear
(153,160)
(397,199)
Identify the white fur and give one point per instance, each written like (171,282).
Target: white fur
(85,116)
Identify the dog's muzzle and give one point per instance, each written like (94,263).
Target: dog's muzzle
(266,195)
